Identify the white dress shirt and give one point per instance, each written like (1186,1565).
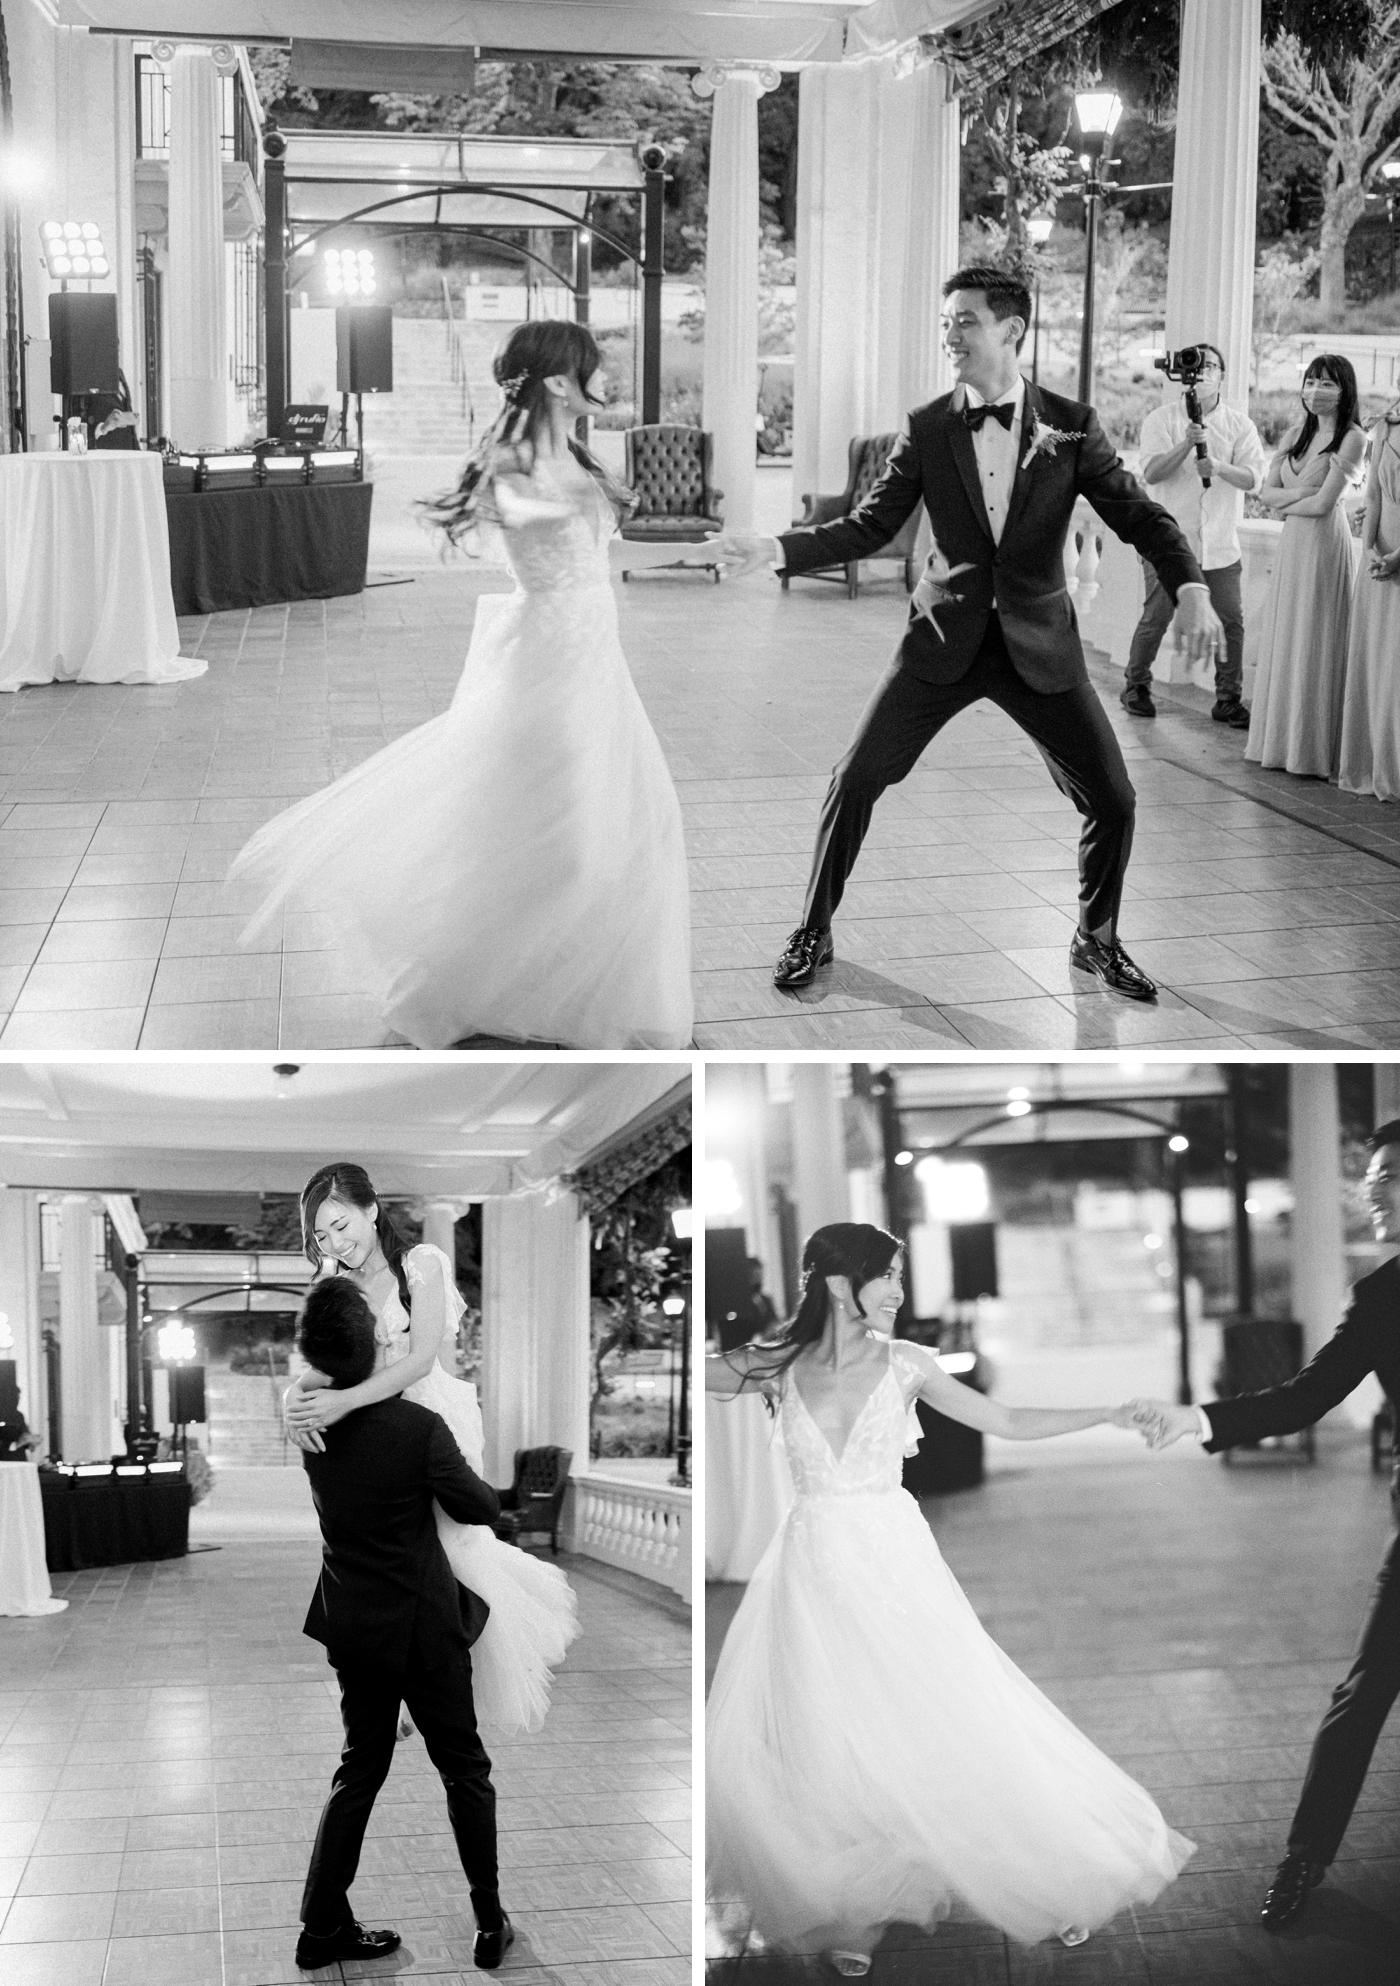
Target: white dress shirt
(1209,518)
(998,450)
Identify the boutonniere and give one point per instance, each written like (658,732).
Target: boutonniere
(1045,440)
(933,589)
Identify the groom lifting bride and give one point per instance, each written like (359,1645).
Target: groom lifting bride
(998,464)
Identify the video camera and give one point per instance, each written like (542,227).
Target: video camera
(1187,367)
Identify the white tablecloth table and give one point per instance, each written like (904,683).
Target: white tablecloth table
(85,571)
(748,1486)
(24,1577)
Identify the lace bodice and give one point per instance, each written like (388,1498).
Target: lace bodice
(886,1430)
(557,541)
(391,1329)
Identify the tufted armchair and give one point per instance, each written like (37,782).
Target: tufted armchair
(868,456)
(535,1499)
(669,468)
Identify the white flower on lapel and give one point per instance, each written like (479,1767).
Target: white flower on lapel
(1045,440)
(933,589)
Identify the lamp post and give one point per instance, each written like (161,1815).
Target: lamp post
(683,1227)
(1038,228)
(1099,112)
(1390,173)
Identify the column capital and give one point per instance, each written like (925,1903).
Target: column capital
(456,1204)
(762,75)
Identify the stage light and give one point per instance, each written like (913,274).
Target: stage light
(1251,1206)
(904,1158)
(721,1189)
(176,1342)
(1178,1143)
(1018,1107)
(953,1190)
(1018,1093)
(74,250)
(1152,1241)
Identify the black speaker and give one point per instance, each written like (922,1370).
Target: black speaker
(83,356)
(973,1245)
(727,1285)
(187,1394)
(364,348)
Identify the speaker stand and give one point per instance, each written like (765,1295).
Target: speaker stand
(344,417)
(360,424)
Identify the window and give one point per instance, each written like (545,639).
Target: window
(238,131)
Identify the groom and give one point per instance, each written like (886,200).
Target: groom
(396,1628)
(1367,1340)
(998,464)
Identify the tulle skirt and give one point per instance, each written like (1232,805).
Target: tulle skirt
(534,1614)
(515,867)
(873,1757)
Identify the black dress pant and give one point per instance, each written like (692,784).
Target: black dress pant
(1347,1735)
(439,1700)
(906,713)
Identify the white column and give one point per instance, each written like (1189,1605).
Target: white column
(1387,1104)
(731,281)
(19,1302)
(440,1218)
(534,1328)
(84,1350)
(1210,270)
(818,1148)
(194,286)
(1317,1246)
(931,230)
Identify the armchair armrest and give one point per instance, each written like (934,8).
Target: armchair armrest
(823,509)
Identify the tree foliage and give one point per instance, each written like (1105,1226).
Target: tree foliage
(634,1261)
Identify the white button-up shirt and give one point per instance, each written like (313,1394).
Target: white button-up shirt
(998,450)
(1209,518)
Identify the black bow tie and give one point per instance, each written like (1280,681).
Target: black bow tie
(1005,413)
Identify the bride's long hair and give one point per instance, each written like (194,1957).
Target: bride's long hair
(351,1183)
(854,1249)
(533,353)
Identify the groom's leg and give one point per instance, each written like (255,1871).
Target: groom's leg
(1347,1735)
(901,718)
(369,1709)
(440,1703)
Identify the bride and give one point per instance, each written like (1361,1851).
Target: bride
(872,1756)
(514,867)
(413,1294)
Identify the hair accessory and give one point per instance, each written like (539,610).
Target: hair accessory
(511,387)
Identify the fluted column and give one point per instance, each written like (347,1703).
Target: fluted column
(931,229)
(1210,270)
(534,1327)
(85,1355)
(440,1218)
(1317,1247)
(194,283)
(818,1148)
(19,1304)
(731,281)
(1387,1107)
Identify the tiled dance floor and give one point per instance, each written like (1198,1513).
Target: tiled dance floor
(1268,907)
(1193,1620)
(167,1744)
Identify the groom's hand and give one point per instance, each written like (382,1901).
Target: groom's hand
(738,552)
(1198,628)
(1160,1423)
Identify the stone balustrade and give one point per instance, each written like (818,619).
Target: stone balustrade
(643,1527)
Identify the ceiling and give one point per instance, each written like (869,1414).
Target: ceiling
(474,1129)
(942,1101)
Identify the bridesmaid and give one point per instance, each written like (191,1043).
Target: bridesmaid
(1296,720)
(1371,712)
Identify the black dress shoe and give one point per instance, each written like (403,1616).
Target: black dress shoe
(805,951)
(1229,710)
(491,1946)
(1112,965)
(353,1942)
(1295,1875)
(1137,701)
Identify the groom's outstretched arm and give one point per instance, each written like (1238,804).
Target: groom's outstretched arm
(459,1490)
(1141,523)
(867,528)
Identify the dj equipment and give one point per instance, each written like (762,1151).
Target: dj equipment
(364,348)
(246,469)
(187,1394)
(83,355)
(303,426)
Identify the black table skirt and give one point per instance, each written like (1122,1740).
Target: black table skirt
(259,547)
(113,1520)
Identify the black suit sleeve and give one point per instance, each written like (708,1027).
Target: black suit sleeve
(1130,515)
(870,525)
(1338,1369)
(458,1489)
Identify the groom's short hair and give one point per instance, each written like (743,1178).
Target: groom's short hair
(1384,1134)
(335,1331)
(1006,292)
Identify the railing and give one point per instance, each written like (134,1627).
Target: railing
(1083,552)
(238,129)
(457,358)
(642,1527)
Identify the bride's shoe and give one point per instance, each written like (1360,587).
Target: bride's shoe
(850,1965)
(1073,1934)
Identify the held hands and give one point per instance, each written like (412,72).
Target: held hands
(1384,565)
(1158,1421)
(1197,625)
(738,553)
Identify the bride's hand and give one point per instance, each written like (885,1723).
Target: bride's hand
(312,1410)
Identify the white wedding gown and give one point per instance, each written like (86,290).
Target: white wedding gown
(873,1757)
(516,866)
(534,1615)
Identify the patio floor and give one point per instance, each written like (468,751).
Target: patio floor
(166,1745)
(1268,907)
(1192,1620)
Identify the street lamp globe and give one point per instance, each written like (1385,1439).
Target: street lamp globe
(1099,112)
(1038,228)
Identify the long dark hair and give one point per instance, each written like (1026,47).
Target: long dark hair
(1328,365)
(531,354)
(351,1183)
(853,1249)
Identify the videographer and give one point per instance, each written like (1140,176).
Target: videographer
(1234,465)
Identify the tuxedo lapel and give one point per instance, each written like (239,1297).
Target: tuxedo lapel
(1020,489)
(959,438)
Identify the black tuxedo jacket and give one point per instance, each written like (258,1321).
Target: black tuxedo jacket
(385,1584)
(934,460)
(1366,1340)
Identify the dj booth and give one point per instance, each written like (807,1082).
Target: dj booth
(258,528)
(114,1515)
